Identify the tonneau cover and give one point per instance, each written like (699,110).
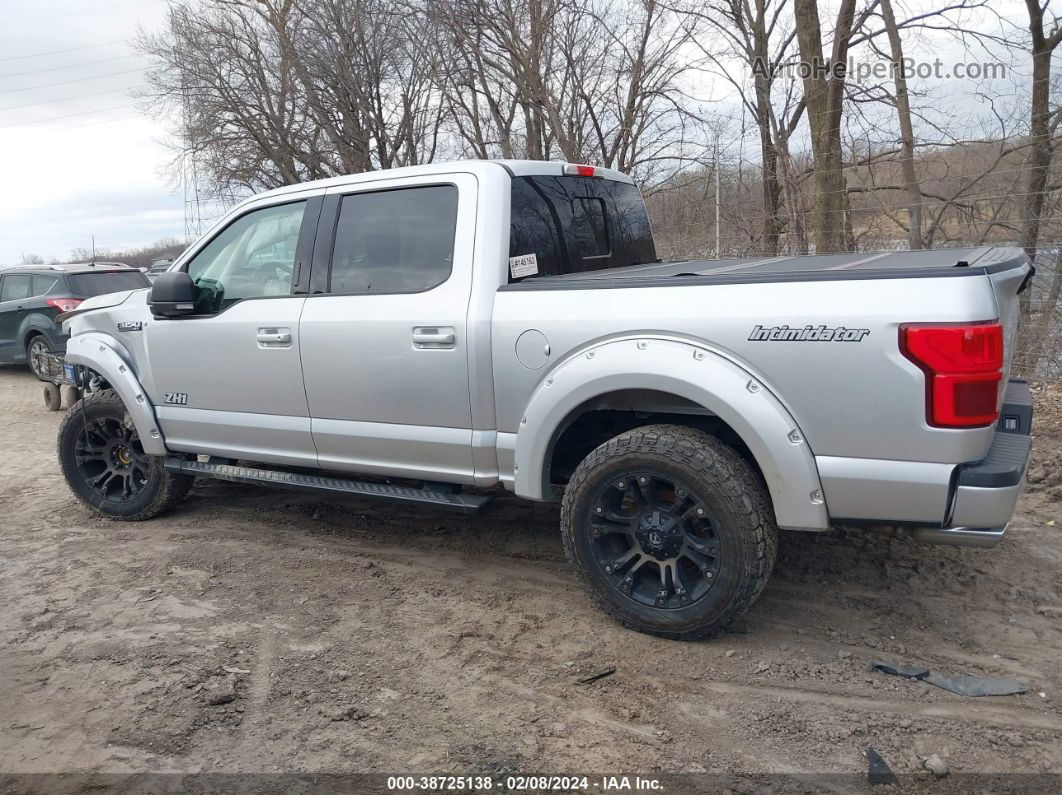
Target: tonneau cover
(881,264)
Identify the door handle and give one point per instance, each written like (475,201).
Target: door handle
(433,337)
(274,338)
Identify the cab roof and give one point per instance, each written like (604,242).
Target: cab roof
(68,267)
(515,168)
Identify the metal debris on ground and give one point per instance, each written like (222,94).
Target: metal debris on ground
(962,684)
(594,677)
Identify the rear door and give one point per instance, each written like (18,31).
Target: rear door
(384,340)
(16,289)
(227,381)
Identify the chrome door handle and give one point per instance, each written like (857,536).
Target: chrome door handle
(433,337)
(274,338)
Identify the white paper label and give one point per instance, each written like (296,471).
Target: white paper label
(524,265)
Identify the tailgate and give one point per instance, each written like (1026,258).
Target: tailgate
(1008,270)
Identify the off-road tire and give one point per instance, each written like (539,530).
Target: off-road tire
(731,487)
(162,490)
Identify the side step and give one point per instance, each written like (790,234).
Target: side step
(466,503)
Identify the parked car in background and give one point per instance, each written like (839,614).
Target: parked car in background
(158,267)
(31,297)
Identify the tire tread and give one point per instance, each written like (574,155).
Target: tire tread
(173,487)
(707,458)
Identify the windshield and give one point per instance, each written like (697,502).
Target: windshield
(87,285)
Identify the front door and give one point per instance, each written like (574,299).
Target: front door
(227,380)
(384,346)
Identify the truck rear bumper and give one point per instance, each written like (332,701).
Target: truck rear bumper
(960,536)
(987,492)
(975,500)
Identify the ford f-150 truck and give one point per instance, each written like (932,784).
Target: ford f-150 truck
(428,333)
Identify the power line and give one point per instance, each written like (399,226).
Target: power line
(67,82)
(67,99)
(94,123)
(69,66)
(59,52)
(67,116)
(94,12)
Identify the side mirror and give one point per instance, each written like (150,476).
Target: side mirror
(172,295)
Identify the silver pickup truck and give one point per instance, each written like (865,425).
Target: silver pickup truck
(426,334)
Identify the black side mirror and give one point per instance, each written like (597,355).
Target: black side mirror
(172,295)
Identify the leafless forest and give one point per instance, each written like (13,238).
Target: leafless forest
(804,156)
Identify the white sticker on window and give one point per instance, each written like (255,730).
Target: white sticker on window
(524,265)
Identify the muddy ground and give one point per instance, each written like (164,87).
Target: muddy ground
(269,631)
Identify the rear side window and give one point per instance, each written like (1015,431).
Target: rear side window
(579,224)
(395,241)
(42,284)
(16,287)
(87,285)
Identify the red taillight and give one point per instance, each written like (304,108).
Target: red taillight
(576,170)
(64,304)
(964,370)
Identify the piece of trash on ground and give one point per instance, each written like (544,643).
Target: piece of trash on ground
(878,770)
(594,677)
(962,684)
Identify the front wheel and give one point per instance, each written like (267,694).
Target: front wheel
(670,531)
(105,464)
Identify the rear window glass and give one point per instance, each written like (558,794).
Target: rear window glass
(90,284)
(579,224)
(395,241)
(42,284)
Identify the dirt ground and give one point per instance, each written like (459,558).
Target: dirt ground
(265,631)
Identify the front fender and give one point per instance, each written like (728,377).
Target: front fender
(102,354)
(690,371)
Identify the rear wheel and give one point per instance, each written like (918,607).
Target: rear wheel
(105,464)
(670,530)
(37,348)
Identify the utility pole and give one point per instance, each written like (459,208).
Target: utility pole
(93,249)
(718,248)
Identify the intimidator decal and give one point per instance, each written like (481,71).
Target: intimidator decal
(808,334)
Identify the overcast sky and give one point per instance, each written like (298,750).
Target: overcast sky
(78,160)
(75,156)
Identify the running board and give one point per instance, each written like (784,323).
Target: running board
(466,503)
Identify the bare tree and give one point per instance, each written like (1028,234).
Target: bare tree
(824,84)
(757,34)
(1041,121)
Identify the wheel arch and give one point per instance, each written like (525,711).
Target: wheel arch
(35,326)
(109,359)
(686,379)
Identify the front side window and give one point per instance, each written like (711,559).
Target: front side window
(253,257)
(16,287)
(395,241)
